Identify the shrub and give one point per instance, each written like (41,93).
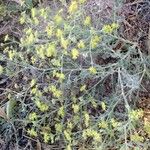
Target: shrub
(62,93)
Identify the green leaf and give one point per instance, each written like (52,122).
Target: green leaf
(29,3)
(10,108)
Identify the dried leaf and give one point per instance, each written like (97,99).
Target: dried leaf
(2,113)
(38,145)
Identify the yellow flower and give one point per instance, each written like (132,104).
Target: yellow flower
(42,106)
(38,93)
(73,7)
(52,88)
(92,70)
(43,13)
(46,136)
(94,104)
(136,138)
(6,38)
(74,53)
(110,28)
(33,82)
(103,106)
(87,119)
(67,135)
(91,133)
(61,111)
(94,41)
(60,76)
(114,26)
(59,33)
(75,108)
(81,44)
(107,29)
(64,43)
(83,88)
(115,123)
(58,127)
(22,18)
(49,30)
(33,90)
(30,39)
(69,125)
(87,21)
(135,115)
(1,69)
(96,136)
(35,21)
(41,51)
(32,116)
(76,118)
(56,62)
(68,147)
(33,59)
(58,19)
(33,12)
(103,124)
(28,31)
(51,50)
(147,126)
(57,94)
(32,132)
(11,54)
(38,103)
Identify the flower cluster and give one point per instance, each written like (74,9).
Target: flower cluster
(110,28)
(56,93)
(135,115)
(60,50)
(92,133)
